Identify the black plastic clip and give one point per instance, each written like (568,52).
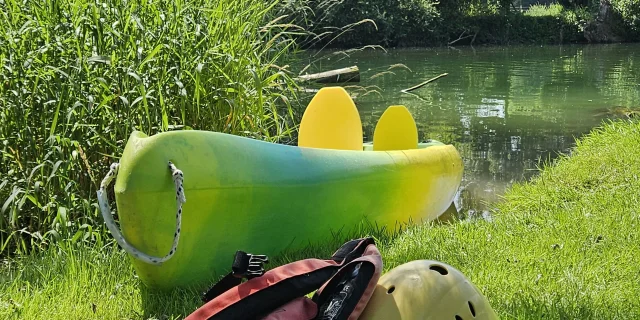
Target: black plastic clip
(247,265)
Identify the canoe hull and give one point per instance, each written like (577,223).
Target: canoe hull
(259,197)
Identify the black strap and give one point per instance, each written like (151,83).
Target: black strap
(245,266)
(229,281)
(343,292)
(352,250)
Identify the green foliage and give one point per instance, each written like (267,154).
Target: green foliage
(380,22)
(627,11)
(78,76)
(469,7)
(630,12)
(429,22)
(576,3)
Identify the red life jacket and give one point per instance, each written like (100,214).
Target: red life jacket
(344,286)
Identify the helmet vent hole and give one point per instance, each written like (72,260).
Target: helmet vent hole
(472,309)
(458,317)
(391,289)
(439,269)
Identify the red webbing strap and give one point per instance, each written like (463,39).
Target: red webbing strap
(253,287)
(260,295)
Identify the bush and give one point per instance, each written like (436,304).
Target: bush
(629,10)
(430,22)
(387,23)
(426,23)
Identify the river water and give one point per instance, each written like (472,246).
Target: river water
(505,109)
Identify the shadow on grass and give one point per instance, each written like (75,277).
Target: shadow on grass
(179,303)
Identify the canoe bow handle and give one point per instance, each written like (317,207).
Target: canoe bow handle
(103,202)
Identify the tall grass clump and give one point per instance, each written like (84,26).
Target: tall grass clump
(78,76)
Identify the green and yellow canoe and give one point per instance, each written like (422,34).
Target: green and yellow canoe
(263,198)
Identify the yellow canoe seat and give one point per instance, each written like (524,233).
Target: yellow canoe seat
(331,121)
(396,130)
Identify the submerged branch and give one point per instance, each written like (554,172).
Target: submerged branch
(424,83)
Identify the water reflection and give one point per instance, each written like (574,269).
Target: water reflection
(505,109)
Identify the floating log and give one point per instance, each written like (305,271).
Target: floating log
(350,74)
(424,83)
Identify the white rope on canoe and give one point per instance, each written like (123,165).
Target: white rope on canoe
(103,202)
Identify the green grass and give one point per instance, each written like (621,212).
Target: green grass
(83,283)
(79,76)
(563,246)
(541,10)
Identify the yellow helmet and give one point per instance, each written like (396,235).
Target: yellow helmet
(426,289)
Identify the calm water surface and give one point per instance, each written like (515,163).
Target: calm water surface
(505,109)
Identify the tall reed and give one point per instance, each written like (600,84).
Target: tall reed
(78,76)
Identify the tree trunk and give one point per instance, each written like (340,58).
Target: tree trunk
(601,29)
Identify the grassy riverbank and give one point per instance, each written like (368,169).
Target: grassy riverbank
(562,246)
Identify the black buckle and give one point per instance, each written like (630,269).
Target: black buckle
(247,265)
